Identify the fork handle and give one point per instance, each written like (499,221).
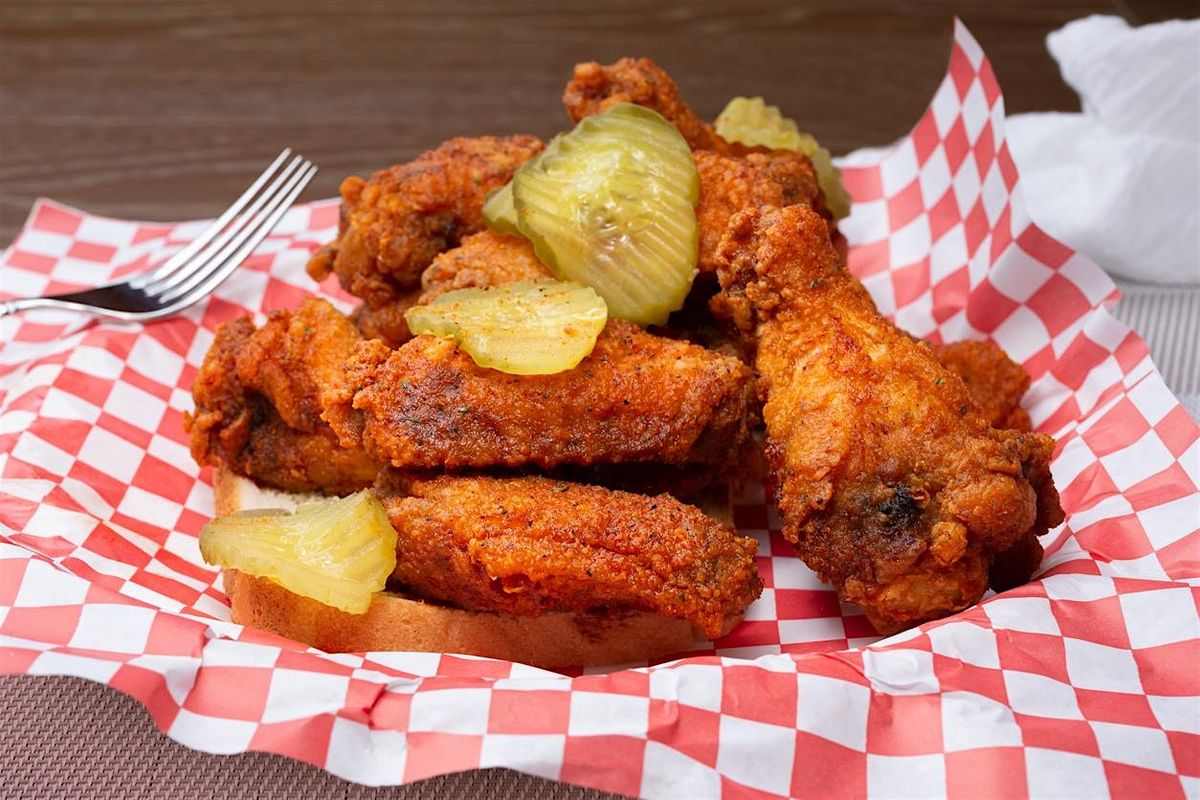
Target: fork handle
(13,306)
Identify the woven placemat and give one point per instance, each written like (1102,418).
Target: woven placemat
(1168,318)
(70,738)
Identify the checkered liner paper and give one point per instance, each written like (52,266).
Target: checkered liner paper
(1081,683)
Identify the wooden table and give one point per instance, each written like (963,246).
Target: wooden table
(162,110)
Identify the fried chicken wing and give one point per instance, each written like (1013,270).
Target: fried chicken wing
(241,428)
(595,88)
(394,224)
(637,397)
(995,381)
(530,545)
(295,353)
(891,482)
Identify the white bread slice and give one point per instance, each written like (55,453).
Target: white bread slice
(396,622)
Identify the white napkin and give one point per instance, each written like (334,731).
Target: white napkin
(1120,181)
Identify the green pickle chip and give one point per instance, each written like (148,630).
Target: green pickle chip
(499,213)
(523,328)
(611,205)
(339,551)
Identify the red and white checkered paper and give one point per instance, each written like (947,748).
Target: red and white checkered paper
(1082,683)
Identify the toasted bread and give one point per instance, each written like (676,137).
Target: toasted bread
(396,622)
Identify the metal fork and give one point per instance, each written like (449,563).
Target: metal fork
(196,270)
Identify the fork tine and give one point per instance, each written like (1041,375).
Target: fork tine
(219,245)
(183,255)
(219,267)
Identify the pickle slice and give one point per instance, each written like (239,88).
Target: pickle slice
(523,328)
(751,121)
(499,213)
(611,204)
(338,551)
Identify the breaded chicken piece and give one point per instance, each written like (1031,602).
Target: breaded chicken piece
(729,184)
(483,259)
(995,381)
(295,353)
(394,224)
(387,322)
(595,88)
(239,427)
(891,482)
(997,384)
(530,545)
(637,397)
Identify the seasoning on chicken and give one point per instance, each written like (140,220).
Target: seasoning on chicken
(483,259)
(268,427)
(995,381)
(530,545)
(891,482)
(293,355)
(637,397)
(394,224)
(729,184)
(594,88)
(387,321)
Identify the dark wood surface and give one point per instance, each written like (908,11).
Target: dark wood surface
(164,109)
(161,109)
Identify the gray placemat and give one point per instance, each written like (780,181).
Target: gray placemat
(71,738)
(1168,318)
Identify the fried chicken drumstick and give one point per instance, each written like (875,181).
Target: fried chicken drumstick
(529,545)
(891,482)
(637,397)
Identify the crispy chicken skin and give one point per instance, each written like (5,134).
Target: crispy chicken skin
(637,397)
(295,353)
(595,88)
(729,184)
(529,545)
(240,427)
(995,381)
(394,224)
(483,259)
(891,482)
(387,321)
